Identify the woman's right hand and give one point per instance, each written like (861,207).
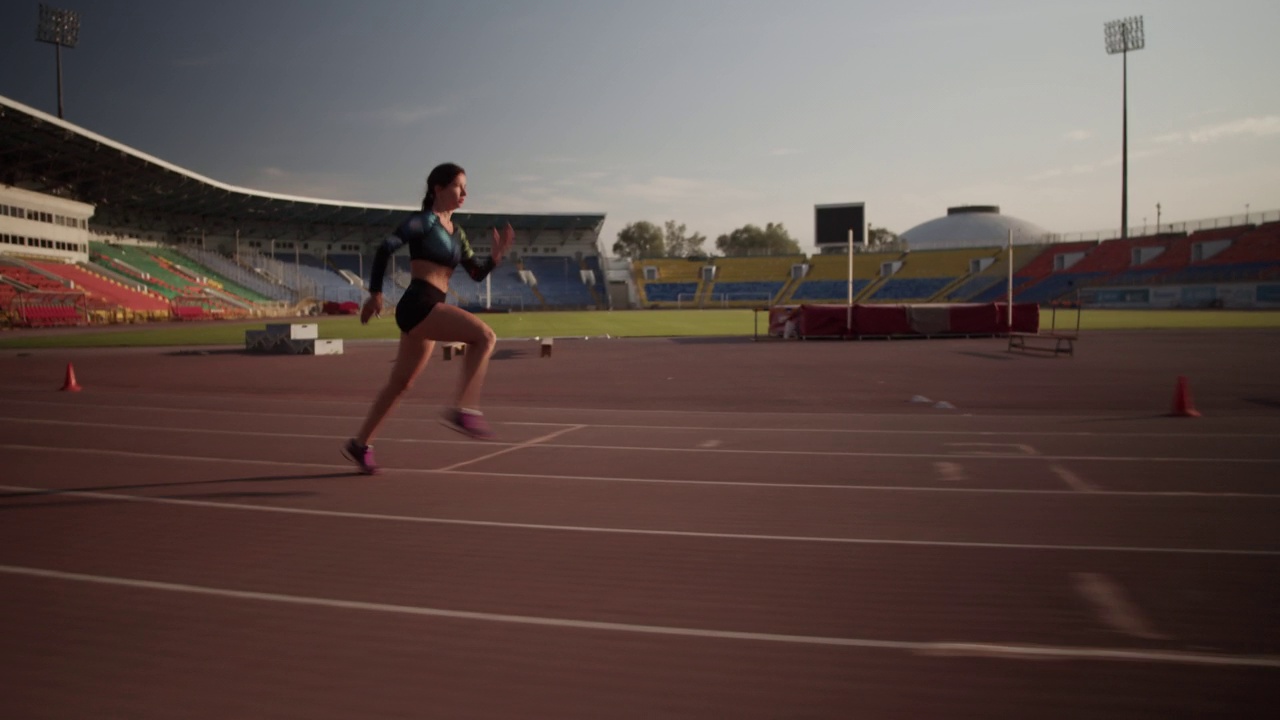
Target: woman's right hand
(372,307)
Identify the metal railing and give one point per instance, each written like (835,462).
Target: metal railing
(1185,226)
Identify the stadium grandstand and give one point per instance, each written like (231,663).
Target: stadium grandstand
(968,255)
(93,231)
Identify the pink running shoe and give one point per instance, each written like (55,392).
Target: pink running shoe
(468,423)
(361,455)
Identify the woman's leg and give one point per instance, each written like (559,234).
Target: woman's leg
(415,351)
(448,323)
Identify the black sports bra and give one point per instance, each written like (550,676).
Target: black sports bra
(428,240)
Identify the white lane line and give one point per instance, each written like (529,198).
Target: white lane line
(709,444)
(941,649)
(1073,481)
(918,455)
(1021,447)
(1113,607)
(656,481)
(630,531)
(950,471)
(1021,455)
(629,412)
(251,433)
(513,448)
(771,430)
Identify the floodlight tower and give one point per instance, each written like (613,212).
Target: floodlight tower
(60,28)
(1124,36)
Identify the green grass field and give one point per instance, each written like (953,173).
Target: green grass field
(640,323)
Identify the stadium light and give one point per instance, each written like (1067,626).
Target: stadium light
(60,28)
(1124,36)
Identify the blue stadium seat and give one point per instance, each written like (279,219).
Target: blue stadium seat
(669,292)
(827,290)
(560,281)
(910,288)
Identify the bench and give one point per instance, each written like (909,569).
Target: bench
(451,348)
(1051,342)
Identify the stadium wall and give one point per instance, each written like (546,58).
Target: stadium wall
(1206,295)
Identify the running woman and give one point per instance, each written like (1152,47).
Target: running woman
(436,247)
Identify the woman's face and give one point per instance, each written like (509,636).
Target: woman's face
(450,197)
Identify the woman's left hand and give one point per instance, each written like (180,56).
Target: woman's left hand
(502,242)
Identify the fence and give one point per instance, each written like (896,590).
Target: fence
(685,301)
(1187,226)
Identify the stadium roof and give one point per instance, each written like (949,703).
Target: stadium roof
(46,154)
(973,226)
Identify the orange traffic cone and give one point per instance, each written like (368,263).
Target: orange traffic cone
(1182,405)
(70,384)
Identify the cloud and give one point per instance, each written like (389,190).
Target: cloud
(556,159)
(1255,126)
(1081,169)
(662,188)
(1250,126)
(404,116)
(601,191)
(1133,155)
(580,178)
(1046,175)
(784,151)
(1077,135)
(321,186)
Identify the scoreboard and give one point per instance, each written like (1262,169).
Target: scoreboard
(832,223)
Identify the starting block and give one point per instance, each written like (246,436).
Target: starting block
(546,347)
(451,348)
(290,339)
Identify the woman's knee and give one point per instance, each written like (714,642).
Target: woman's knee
(488,339)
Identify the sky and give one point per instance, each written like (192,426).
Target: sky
(712,113)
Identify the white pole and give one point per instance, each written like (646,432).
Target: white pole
(848,313)
(488,292)
(1009,290)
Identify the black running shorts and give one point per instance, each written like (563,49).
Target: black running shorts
(416,304)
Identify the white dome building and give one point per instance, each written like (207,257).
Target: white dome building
(973,226)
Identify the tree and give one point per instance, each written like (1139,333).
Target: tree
(751,240)
(883,240)
(639,240)
(680,245)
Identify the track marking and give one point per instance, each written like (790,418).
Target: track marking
(1022,448)
(631,531)
(252,433)
(743,451)
(1113,607)
(950,471)
(1073,481)
(513,448)
(251,398)
(942,649)
(657,481)
(786,429)
(709,444)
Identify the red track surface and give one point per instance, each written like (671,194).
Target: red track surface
(712,529)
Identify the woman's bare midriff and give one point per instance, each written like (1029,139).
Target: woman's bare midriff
(435,275)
